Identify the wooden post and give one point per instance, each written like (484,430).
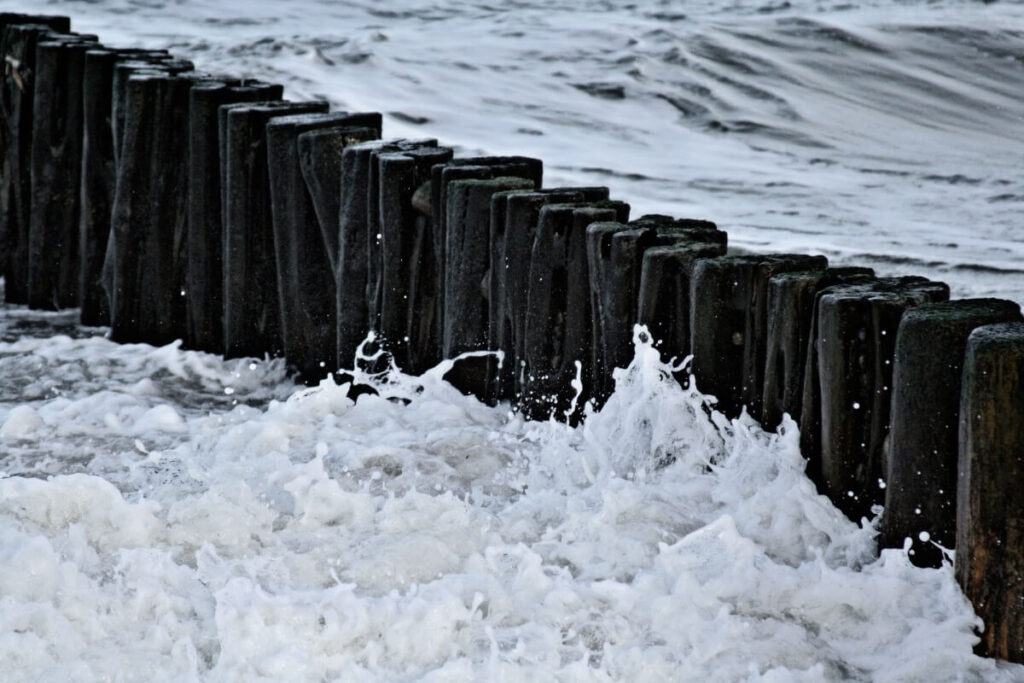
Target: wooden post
(624,273)
(56,170)
(729,324)
(19,51)
(558,333)
(514,216)
(305,281)
(467,249)
(124,71)
(252,325)
(920,492)
(664,295)
(478,168)
(854,350)
(148,216)
(204,286)
(55,22)
(990,509)
(358,244)
(18,36)
(791,298)
(98,175)
(599,256)
(407,256)
(615,253)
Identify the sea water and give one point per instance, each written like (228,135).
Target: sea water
(169,515)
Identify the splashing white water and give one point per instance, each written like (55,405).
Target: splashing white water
(419,534)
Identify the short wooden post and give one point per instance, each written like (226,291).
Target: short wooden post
(854,351)
(558,330)
(407,256)
(98,176)
(467,249)
(252,325)
(729,324)
(305,280)
(204,285)
(920,491)
(791,298)
(358,268)
(56,172)
(990,509)
(148,216)
(514,216)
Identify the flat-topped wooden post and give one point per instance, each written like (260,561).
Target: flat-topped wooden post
(18,100)
(19,33)
(55,22)
(469,168)
(252,318)
(359,275)
(920,478)
(305,281)
(54,261)
(407,297)
(148,218)
(990,509)
(728,307)
(514,218)
(123,71)
(99,175)
(558,325)
(616,260)
(467,249)
(847,403)
(663,303)
(791,298)
(204,285)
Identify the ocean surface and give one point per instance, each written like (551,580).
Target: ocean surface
(166,515)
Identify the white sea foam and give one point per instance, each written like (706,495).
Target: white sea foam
(419,534)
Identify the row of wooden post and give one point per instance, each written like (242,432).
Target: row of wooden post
(171,204)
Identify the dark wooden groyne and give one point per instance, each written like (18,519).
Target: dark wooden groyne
(172,204)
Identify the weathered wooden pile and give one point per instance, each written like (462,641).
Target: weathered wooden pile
(172,204)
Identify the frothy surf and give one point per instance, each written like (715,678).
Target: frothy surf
(156,526)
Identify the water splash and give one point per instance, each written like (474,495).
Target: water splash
(416,532)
